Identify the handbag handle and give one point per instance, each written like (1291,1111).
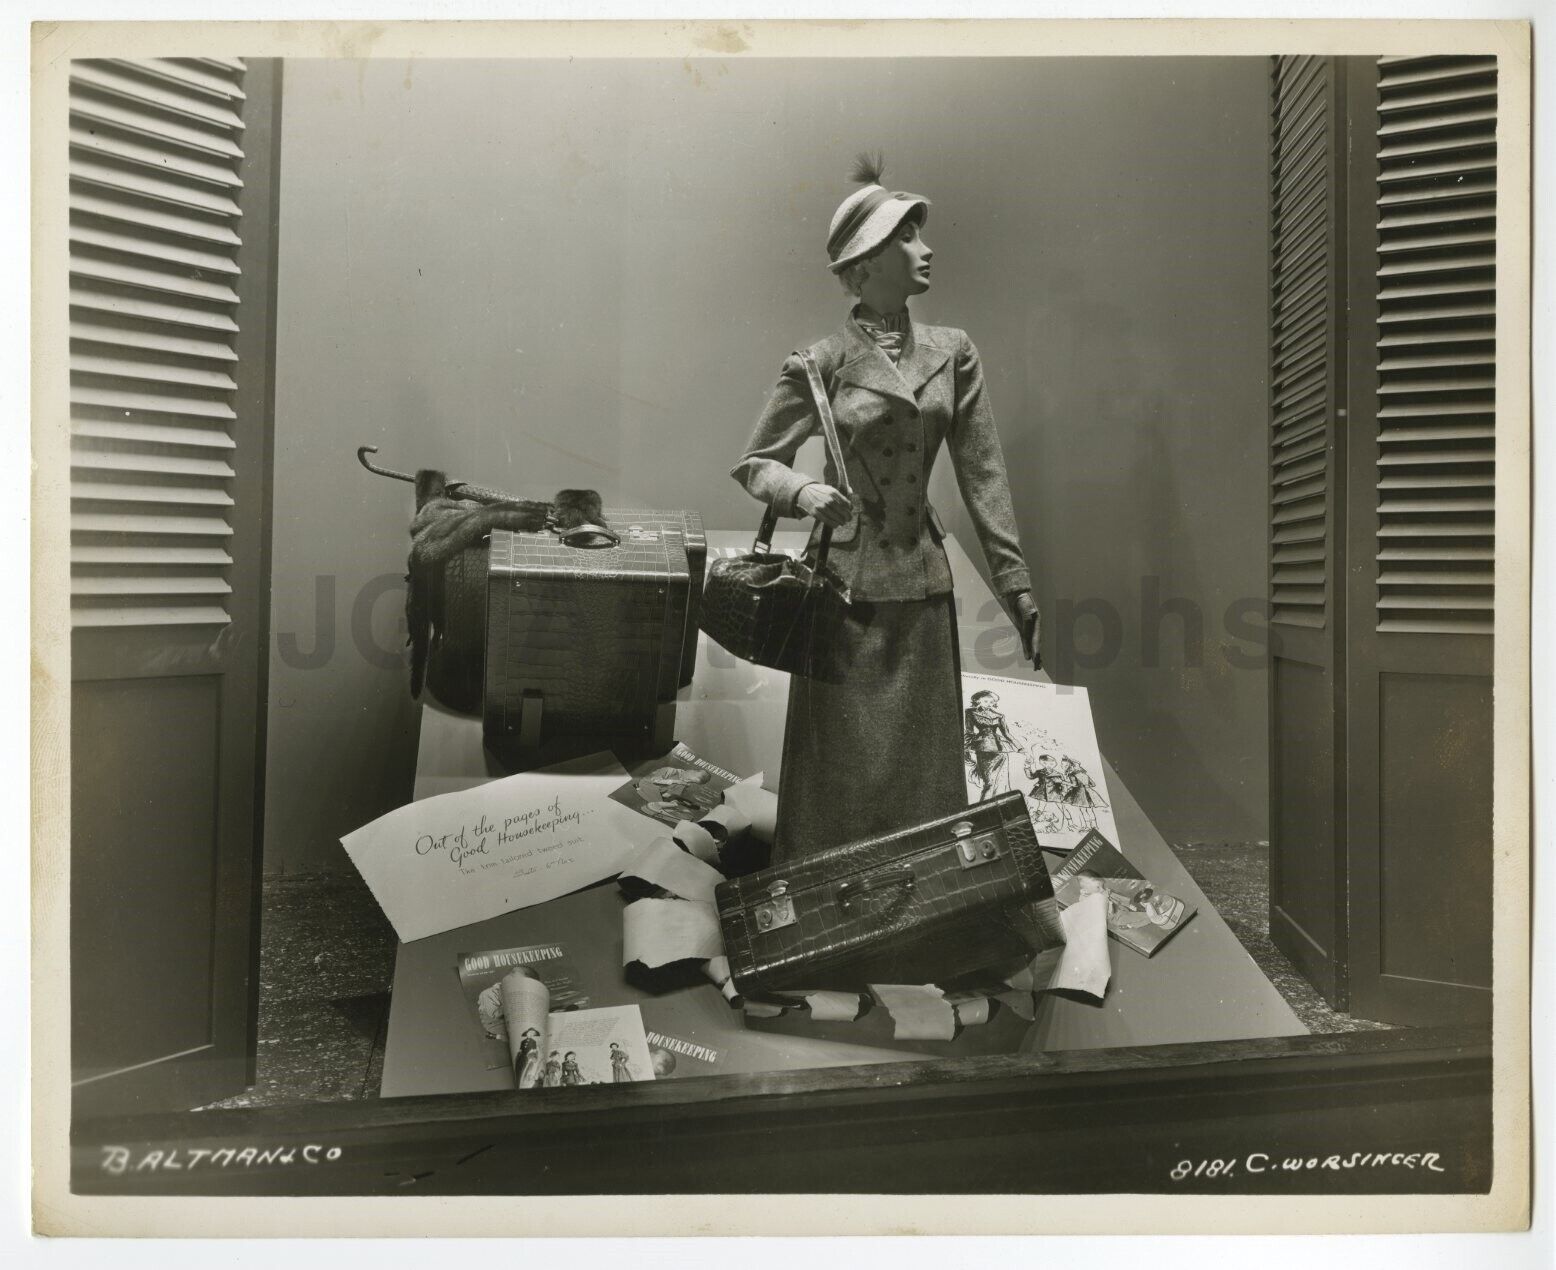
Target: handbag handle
(818,391)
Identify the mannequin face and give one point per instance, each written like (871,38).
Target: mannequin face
(898,270)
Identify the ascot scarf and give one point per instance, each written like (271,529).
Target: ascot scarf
(890,332)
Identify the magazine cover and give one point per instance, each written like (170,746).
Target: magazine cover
(1139,915)
(481,975)
(674,787)
(1038,738)
(673,1057)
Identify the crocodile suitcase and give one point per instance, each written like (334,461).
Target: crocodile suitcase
(585,644)
(967,892)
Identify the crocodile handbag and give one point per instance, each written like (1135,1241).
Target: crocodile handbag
(967,892)
(774,610)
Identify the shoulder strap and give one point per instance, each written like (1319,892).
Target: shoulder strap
(824,409)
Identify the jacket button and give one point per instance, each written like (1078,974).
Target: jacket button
(911,447)
(885,480)
(912,480)
(886,453)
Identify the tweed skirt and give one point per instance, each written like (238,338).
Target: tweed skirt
(881,749)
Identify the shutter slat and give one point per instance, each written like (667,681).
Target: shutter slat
(168,164)
(1419,292)
(151,280)
(138,215)
(1459,383)
(132,523)
(159,128)
(152,433)
(109,79)
(1410,125)
(1438,264)
(1455,68)
(1416,506)
(121,461)
(1309,531)
(128,399)
(1398,436)
(95,554)
(1438,553)
(192,615)
(154,249)
(1476,140)
(1394,365)
(1306,509)
(141,186)
(129,584)
(1438,530)
(1438,481)
(1439,195)
(154,341)
(186,78)
(1429,578)
(1416,458)
(150,310)
(165,495)
(1294,469)
(1397,601)
(154,372)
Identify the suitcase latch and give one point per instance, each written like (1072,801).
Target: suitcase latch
(777,910)
(973,851)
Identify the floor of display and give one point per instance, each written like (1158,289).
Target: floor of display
(327,959)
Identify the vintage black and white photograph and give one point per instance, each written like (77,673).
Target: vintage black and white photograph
(678,612)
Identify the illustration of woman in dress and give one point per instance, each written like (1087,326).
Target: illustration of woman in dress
(1082,796)
(619,1070)
(1048,793)
(987,745)
(553,1073)
(570,1073)
(526,1063)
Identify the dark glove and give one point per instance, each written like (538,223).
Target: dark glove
(1023,613)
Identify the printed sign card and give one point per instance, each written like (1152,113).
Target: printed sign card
(463,857)
(1038,738)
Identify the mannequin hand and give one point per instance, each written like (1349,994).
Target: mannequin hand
(1023,612)
(829,506)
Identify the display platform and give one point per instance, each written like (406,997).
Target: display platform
(1201,986)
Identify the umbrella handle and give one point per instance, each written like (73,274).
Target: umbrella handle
(364,450)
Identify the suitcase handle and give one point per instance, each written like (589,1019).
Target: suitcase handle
(589,536)
(902,876)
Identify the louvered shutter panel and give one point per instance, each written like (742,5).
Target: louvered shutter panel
(155,156)
(1437,190)
(1301,339)
(1307,376)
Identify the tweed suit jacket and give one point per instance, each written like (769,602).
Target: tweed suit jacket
(892,421)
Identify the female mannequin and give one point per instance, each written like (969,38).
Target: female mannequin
(881,748)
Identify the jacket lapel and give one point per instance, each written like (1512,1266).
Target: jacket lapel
(865,365)
(919,362)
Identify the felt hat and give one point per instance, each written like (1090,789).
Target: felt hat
(869,216)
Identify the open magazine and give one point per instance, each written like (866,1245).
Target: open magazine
(481,975)
(1139,915)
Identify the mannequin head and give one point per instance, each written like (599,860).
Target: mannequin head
(897,269)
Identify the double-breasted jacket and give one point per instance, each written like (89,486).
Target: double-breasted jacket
(892,420)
